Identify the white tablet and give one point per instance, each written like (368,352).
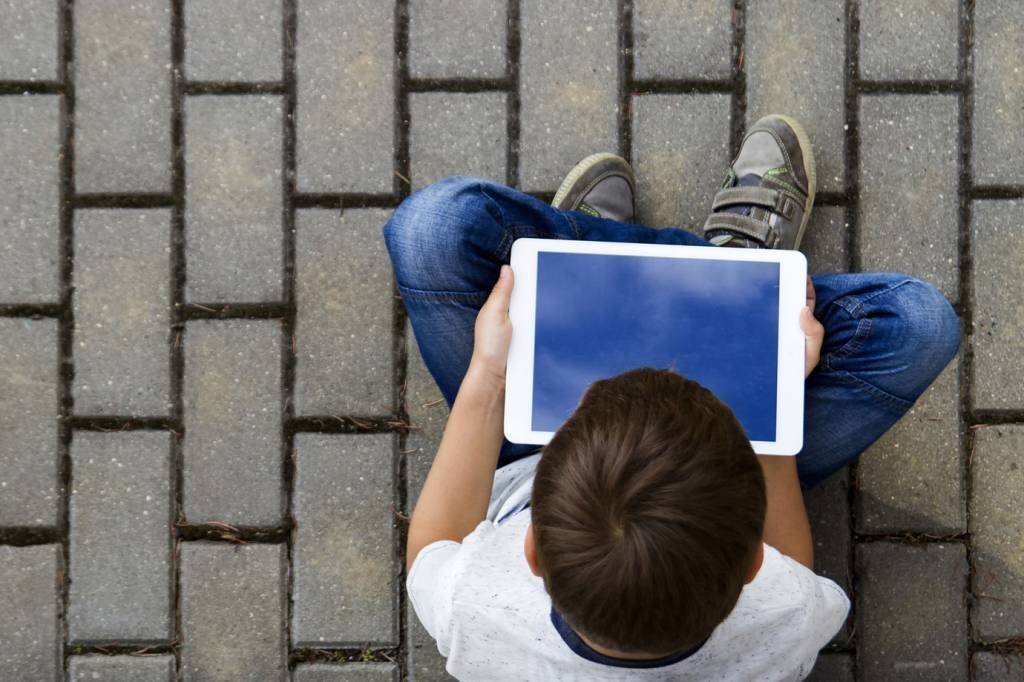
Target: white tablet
(726,318)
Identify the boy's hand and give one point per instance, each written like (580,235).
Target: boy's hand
(493,331)
(813,331)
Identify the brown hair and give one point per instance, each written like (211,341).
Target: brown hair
(648,508)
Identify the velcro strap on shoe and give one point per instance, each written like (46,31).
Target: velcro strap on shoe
(744,226)
(756,196)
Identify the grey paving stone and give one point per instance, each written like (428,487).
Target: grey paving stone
(680,156)
(233,197)
(911,613)
(910,479)
(457,38)
(28,422)
(344,590)
(343,331)
(348,672)
(120,538)
(122,323)
(787,74)
(29,197)
(832,668)
(825,240)
(233,40)
(997,529)
(121,668)
(122,96)
(682,40)
(232,405)
(998,366)
(911,40)
(909,206)
(345,64)
(233,601)
(996,668)
(569,97)
(457,134)
(998,158)
(828,510)
(28,40)
(428,413)
(28,621)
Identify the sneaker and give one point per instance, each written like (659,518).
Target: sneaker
(766,199)
(600,185)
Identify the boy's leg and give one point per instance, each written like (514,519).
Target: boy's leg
(887,337)
(447,243)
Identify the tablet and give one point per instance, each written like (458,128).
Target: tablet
(727,318)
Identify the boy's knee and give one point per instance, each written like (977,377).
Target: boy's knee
(926,330)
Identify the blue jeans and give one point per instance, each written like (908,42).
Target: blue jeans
(887,336)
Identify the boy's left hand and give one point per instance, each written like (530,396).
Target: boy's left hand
(813,331)
(493,331)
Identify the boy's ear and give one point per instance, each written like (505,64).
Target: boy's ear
(756,566)
(530,549)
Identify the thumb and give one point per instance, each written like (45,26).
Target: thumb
(501,294)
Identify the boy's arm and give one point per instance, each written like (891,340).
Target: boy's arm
(458,488)
(786,527)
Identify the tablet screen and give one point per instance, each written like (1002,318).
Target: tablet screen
(713,321)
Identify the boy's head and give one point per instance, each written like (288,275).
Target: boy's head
(648,508)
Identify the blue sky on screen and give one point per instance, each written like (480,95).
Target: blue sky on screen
(713,321)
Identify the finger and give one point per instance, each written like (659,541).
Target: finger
(811,328)
(811,294)
(501,294)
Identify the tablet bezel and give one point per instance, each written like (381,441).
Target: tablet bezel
(789,415)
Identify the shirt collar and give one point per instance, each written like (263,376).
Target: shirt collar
(584,650)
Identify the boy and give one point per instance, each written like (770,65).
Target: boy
(648,542)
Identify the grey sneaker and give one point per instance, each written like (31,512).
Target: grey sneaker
(766,199)
(600,185)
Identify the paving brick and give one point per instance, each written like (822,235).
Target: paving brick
(343,334)
(828,510)
(910,40)
(909,206)
(997,529)
(349,672)
(122,326)
(233,602)
(429,414)
(455,134)
(569,102)
(825,240)
(28,40)
(680,156)
(122,96)
(28,422)
(996,157)
(440,46)
(232,450)
(832,668)
(682,40)
(233,198)
(120,538)
(121,668)
(345,64)
(28,621)
(996,668)
(233,40)
(998,366)
(344,590)
(910,479)
(29,196)
(787,74)
(911,615)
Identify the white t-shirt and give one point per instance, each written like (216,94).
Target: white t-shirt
(493,620)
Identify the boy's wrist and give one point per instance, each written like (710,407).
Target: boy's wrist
(483,375)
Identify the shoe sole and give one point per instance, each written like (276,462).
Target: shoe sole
(565,197)
(808,157)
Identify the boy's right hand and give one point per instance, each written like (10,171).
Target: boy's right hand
(813,331)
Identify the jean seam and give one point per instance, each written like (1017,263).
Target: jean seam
(898,404)
(452,296)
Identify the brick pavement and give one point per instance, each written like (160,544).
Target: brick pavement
(206,381)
